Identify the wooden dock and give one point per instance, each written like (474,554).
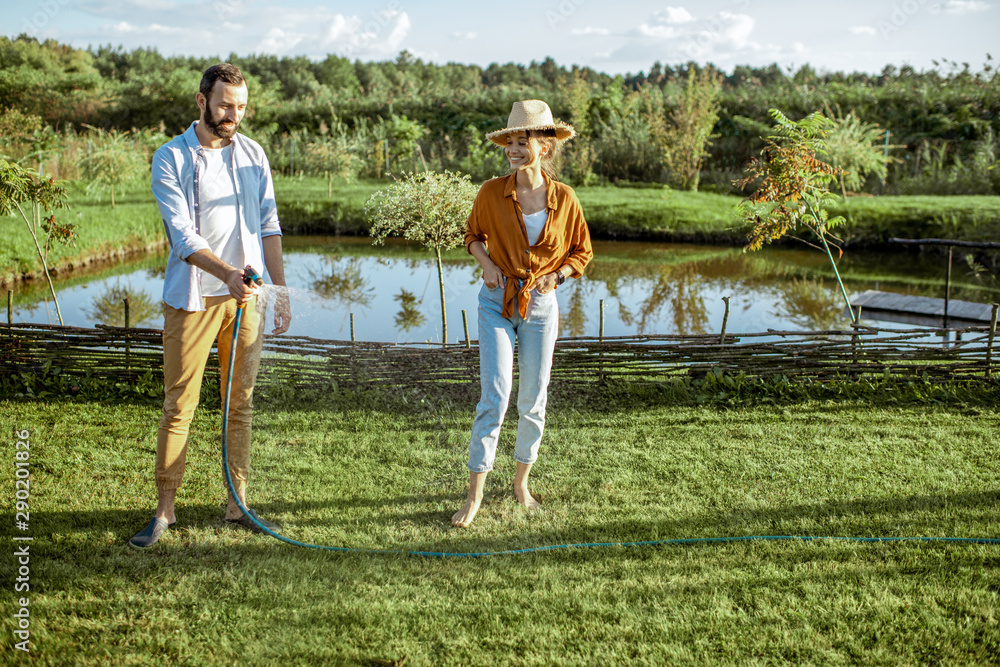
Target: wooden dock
(920,310)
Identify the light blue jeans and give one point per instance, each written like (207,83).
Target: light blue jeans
(536,338)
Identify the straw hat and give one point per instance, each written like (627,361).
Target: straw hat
(531,115)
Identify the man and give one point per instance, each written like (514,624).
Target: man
(216,197)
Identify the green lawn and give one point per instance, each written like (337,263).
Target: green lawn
(378,474)
(133,223)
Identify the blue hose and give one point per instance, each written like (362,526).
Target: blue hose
(511,552)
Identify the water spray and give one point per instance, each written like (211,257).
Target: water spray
(253,280)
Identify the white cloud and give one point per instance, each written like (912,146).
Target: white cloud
(351,36)
(673,15)
(862,30)
(589,30)
(736,30)
(961,7)
(130,7)
(312,31)
(724,38)
(464,36)
(126,28)
(657,31)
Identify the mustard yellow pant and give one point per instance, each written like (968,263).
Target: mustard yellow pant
(187,342)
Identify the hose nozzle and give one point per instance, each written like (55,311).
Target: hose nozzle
(251,277)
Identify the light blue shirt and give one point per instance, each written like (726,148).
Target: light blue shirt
(177,167)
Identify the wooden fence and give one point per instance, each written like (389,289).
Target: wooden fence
(299,361)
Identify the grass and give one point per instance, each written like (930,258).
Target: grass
(102,232)
(375,473)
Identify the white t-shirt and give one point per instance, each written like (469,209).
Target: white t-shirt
(220,224)
(534,223)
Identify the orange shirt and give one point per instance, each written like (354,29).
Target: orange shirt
(497,221)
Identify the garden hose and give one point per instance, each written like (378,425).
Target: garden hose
(249,275)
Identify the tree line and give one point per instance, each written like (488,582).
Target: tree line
(938,129)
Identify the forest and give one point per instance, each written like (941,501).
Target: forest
(937,130)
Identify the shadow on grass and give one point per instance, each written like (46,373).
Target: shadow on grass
(910,516)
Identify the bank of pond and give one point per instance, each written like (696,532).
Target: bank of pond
(651,213)
(647,288)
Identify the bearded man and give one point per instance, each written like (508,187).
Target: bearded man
(214,190)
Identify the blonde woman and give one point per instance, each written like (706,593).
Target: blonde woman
(528,234)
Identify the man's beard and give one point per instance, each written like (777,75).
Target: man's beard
(222,131)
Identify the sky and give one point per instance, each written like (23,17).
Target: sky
(616,37)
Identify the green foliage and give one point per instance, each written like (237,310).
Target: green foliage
(792,186)
(114,162)
(857,149)
(484,160)
(403,135)
(19,186)
(426,208)
(579,155)
(687,138)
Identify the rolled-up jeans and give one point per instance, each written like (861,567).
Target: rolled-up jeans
(187,343)
(535,336)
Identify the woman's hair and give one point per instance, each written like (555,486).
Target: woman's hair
(550,159)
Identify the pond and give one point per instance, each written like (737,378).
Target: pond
(647,289)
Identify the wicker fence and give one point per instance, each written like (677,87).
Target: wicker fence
(298,361)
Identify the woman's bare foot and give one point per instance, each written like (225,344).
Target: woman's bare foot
(525,498)
(463,517)
(521,492)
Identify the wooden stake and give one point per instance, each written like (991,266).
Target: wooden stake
(947,288)
(989,344)
(725,321)
(128,346)
(465,323)
(352,327)
(600,335)
(10,306)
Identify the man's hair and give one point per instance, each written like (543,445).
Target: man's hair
(227,72)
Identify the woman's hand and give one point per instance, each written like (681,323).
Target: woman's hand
(547,283)
(492,275)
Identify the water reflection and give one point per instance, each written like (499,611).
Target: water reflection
(409,316)
(677,290)
(108,307)
(343,282)
(811,304)
(647,288)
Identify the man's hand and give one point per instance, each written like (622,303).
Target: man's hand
(237,288)
(282,311)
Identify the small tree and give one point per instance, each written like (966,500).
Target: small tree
(21,186)
(689,135)
(793,186)
(430,208)
(114,162)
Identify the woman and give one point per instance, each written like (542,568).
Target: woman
(528,234)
